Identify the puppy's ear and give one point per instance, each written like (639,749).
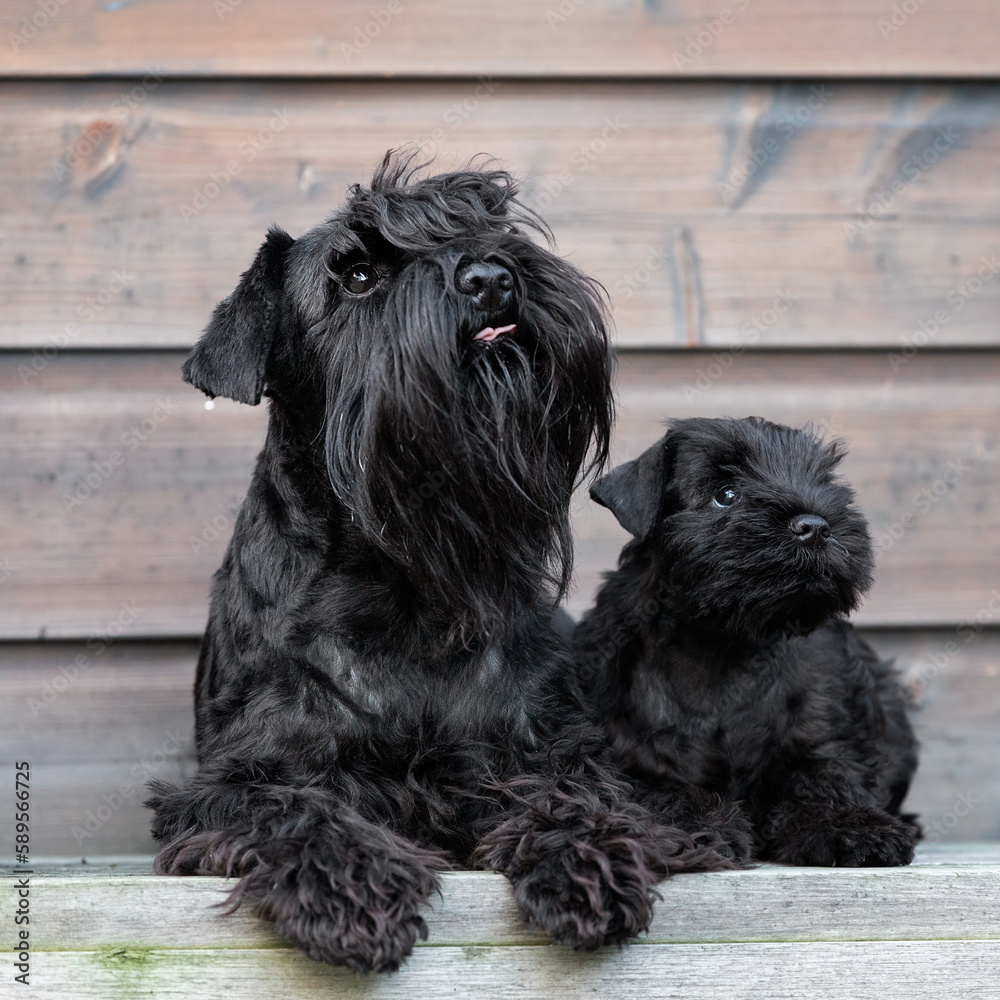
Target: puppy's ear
(230,359)
(633,492)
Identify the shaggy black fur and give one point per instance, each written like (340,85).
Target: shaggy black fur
(381,691)
(719,659)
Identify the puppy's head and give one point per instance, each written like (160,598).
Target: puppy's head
(453,374)
(755,531)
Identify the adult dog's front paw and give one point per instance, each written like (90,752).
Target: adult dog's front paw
(584,877)
(850,837)
(355,904)
(580,905)
(366,917)
(371,928)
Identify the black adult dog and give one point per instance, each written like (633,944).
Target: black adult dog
(718,656)
(381,692)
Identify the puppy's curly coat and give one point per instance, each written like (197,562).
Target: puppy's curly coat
(719,660)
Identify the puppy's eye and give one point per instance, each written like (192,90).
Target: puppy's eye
(726,497)
(359,278)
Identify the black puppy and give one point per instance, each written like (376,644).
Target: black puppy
(718,657)
(381,692)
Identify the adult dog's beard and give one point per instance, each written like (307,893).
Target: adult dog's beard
(458,460)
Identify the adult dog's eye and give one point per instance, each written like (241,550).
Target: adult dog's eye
(726,497)
(359,278)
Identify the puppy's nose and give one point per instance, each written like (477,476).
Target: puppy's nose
(489,284)
(810,530)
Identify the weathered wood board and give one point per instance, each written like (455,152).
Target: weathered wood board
(563,37)
(925,901)
(905,970)
(928,931)
(802,214)
(121,487)
(96,729)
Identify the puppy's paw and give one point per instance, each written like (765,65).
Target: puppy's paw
(851,837)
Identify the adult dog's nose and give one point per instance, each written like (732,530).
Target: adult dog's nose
(810,529)
(489,284)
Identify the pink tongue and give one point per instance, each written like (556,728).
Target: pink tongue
(491,333)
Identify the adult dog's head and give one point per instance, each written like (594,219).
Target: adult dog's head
(449,375)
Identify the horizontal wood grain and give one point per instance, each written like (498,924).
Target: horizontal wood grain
(939,970)
(800,214)
(561,37)
(83,809)
(927,901)
(927,931)
(96,729)
(121,487)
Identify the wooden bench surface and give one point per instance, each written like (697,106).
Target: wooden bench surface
(110,929)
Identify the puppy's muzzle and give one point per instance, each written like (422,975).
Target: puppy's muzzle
(810,530)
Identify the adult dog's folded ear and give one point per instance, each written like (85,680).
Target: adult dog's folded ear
(231,357)
(633,492)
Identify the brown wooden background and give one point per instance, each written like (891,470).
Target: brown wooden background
(795,207)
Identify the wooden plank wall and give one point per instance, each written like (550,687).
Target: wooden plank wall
(794,208)
(569,38)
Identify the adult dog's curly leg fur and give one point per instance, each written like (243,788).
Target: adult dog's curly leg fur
(584,859)
(344,890)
